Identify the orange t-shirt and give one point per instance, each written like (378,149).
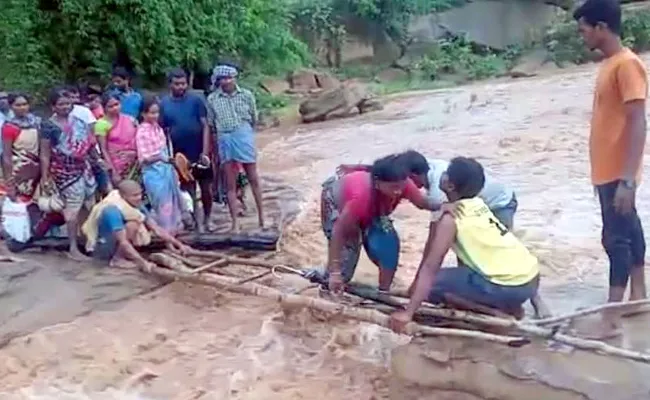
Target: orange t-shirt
(622,78)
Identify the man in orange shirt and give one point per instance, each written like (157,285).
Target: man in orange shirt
(616,145)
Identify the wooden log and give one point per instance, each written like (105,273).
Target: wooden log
(593,310)
(355,313)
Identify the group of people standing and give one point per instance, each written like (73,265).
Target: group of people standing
(474,214)
(94,140)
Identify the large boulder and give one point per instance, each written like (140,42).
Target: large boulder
(275,86)
(532,64)
(344,100)
(307,80)
(450,368)
(303,80)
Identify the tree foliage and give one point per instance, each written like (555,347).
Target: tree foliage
(47,40)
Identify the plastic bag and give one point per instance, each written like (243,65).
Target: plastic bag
(188,203)
(15,221)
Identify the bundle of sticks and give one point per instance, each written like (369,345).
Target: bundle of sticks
(213,273)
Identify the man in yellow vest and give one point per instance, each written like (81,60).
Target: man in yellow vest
(497,275)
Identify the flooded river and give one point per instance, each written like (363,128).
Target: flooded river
(189,342)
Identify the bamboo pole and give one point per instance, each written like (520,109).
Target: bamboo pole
(524,327)
(169,262)
(254,277)
(593,310)
(219,263)
(378,318)
(355,313)
(185,260)
(240,260)
(198,266)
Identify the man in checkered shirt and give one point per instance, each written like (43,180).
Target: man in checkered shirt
(235,116)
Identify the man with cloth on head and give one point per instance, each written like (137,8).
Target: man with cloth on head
(235,115)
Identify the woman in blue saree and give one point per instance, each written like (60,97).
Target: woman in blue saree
(158,173)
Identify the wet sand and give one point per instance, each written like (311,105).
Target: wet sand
(205,345)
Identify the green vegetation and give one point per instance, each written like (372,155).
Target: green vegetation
(47,42)
(566,46)
(79,39)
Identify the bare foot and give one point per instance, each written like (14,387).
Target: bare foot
(119,262)
(210,226)
(76,255)
(235,228)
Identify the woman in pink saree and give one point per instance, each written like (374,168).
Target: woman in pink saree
(116,137)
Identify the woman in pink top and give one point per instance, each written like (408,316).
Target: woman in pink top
(355,211)
(158,173)
(116,136)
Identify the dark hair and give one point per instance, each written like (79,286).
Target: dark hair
(594,12)
(176,73)
(71,89)
(108,96)
(467,176)
(415,162)
(88,90)
(49,129)
(389,169)
(92,89)
(55,95)
(147,103)
(13,96)
(121,72)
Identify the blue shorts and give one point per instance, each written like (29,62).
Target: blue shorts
(105,248)
(468,284)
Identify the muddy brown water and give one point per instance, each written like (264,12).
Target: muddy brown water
(207,345)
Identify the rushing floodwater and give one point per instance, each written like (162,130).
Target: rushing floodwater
(531,134)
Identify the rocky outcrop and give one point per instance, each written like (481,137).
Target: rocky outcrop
(307,80)
(493,23)
(275,86)
(345,100)
(533,64)
(446,369)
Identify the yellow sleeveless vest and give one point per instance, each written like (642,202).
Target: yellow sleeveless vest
(485,245)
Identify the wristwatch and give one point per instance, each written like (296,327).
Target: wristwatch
(628,184)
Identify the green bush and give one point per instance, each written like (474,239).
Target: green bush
(74,39)
(564,43)
(636,30)
(456,56)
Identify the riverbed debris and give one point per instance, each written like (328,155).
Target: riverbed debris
(512,332)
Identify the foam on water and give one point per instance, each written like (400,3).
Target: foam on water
(70,392)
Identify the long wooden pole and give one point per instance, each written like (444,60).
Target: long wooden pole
(593,310)
(379,318)
(356,313)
